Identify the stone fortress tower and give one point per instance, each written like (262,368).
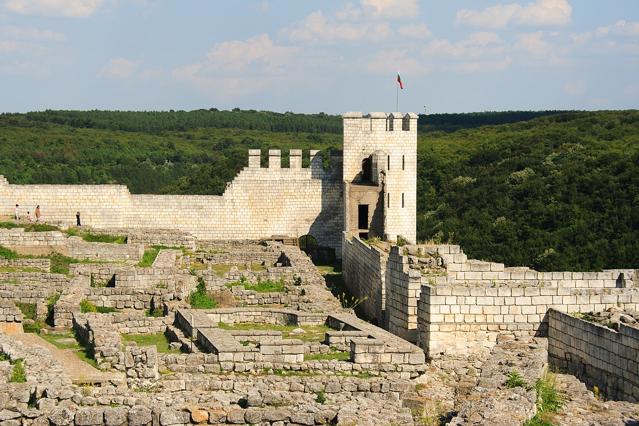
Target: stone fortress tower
(380,175)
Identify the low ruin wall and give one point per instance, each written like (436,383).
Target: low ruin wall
(597,355)
(457,319)
(364,271)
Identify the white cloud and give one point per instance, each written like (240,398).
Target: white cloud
(8,46)
(537,13)
(119,68)
(575,88)
(414,31)
(620,28)
(533,43)
(391,9)
(389,61)
(239,67)
(29,33)
(536,47)
(317,28)
(66,8)
(476,45)
(483,66)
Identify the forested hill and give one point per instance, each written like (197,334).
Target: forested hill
(551,190)
(161,121)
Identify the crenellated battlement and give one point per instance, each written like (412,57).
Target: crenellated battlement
(275,159)
(375,122)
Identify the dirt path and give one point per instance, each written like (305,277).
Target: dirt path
(79,371)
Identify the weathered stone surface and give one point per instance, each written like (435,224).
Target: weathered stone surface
(139,415)
(174,417)
(115,416)
(89,416)
(62,417)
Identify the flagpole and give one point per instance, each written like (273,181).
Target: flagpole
(396,97)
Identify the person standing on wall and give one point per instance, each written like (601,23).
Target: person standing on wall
(37,213)
(77,219)
(17,212)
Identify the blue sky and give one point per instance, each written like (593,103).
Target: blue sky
(308,56)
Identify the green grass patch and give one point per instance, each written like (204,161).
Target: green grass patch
(104,238)
(28,310)
(19,269)
(548,401)
(62,340)
(200,298)
(86,306)
(149,256)
(330,356)
(515,380)
(18,373)
(313,333)
(159,340)
(7,253)
(154,313)
(221,269)
(267,286)
(4,357)
(29,227)
(51,301)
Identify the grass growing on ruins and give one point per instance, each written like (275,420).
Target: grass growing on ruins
(330,356)
(29,227)
(33,325)
(86,306)
(221,269)
(7,253)
(312,333)
(200,298)
(62,340)
(159,340)
(515,380)
(99,238)
(9,269)
(18,373)
(548,401)
(267,286)
(149,256)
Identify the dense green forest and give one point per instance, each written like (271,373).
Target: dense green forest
(553,190)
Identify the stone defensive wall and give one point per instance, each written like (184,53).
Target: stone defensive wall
(260,202)
(448,304)
(599,356)
(364,269)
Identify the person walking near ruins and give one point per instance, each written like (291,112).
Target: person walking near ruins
(77,219)
(16,214)
(37,213)
(29,217)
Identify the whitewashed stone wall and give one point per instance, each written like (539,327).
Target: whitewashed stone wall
(597,355)
(364,274)
(365,135)
(259,203)
(457,319)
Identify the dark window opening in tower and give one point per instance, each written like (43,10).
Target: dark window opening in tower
(388,163)
(403,163)
(402,200)
(362,216)
(367,169)
(388,200)
(406,123)
(389,124)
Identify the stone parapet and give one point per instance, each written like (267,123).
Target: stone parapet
(596,354)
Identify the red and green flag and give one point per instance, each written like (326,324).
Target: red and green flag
(399,81)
